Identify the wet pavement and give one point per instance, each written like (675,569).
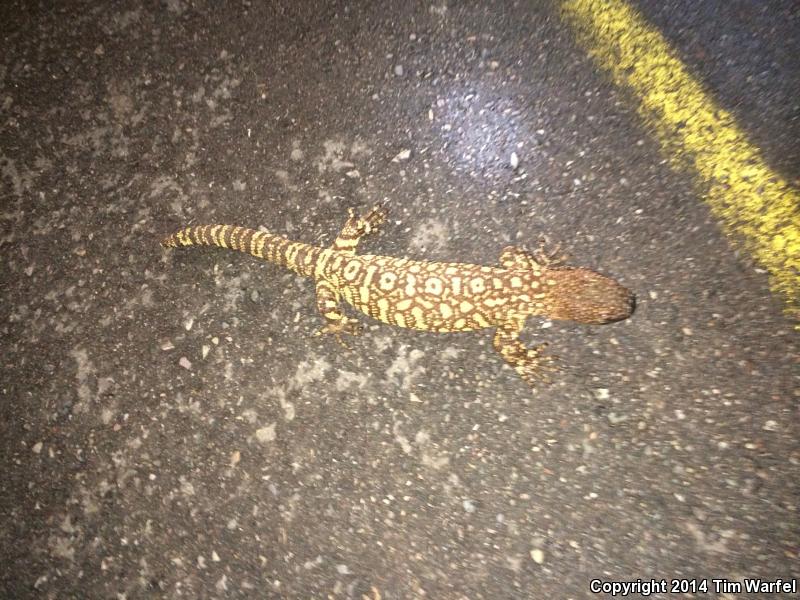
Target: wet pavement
(169,426)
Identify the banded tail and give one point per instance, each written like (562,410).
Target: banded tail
(298,256)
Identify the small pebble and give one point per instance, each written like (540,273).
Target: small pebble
(616,419)
(398,70)
(266,434)
(185,363)
(602,394)
(537,555)
(402,155)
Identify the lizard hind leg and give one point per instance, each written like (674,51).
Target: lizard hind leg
(357,227)
(336,322)
(530,363)
(328,297)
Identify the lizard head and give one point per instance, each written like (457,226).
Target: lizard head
(584,296)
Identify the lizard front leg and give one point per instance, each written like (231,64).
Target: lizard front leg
(336,322)
(513,257)
(530,363)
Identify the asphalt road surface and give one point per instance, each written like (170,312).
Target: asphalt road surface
(169,425)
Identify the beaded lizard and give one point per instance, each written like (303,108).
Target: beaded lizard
(433,296)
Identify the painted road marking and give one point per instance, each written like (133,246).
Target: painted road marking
(751,201)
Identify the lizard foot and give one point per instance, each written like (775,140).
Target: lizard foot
(536,366)
(375,217)
(341,328)
(549,257)
(358,227)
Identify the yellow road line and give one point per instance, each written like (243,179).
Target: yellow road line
(751,201)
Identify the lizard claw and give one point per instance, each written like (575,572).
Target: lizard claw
(339,329)
(373,219)
(549,257)
(357,227)
(538,366)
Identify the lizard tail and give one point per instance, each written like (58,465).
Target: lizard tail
(224,236)
(297,256)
